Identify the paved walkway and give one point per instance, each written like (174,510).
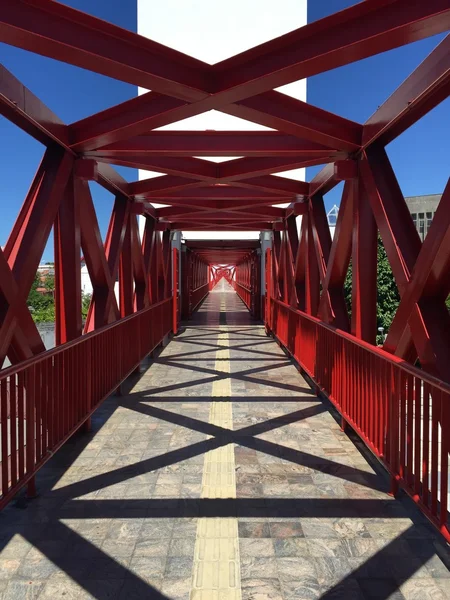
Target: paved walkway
(219,476)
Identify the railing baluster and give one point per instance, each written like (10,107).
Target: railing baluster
(381,397)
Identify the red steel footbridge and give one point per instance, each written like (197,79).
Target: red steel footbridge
(394,398)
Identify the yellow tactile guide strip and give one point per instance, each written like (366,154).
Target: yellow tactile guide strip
(216,559)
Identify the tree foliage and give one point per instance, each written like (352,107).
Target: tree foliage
(42,306)
(85,303)
(388,297)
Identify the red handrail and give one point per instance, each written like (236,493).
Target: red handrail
(45,399)
(401,412)
(198,295)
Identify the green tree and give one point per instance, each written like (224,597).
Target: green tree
(85,303)
(42,306)
(388,297)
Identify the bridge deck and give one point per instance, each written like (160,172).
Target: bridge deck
(218,471)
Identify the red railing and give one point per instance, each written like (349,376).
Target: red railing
(244,293)
(47,398)
(198,295)
(401,413)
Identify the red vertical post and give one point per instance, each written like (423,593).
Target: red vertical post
(268,287)
(126,280)
(68,324)
(312,280)
(175,290)
(364,267)
(149,252)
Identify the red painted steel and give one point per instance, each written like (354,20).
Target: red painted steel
(400,412)
(377,393)
(247,282)
(54,394)
(175,294)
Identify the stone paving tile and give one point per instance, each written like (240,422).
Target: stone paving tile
(118,507)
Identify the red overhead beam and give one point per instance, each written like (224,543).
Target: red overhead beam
(284,113)
(424,89)
(204,170)
(214,143)
(224,226)
(147,188)
(268,211)
(24,109)
(221,244)
(363,30)
(349,35)
(58,31)
(219,192)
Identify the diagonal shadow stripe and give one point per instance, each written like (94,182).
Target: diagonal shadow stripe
(218,375)
(240,375)
(104,569)
(198,352)
(244,437)
(212,334)
(371,575)
(222,432)
(221,437)
(246,347)
(98,482)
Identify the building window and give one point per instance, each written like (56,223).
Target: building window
(422,225)
(414,218)
(429,219)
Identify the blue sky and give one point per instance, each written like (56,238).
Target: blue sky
(419,156)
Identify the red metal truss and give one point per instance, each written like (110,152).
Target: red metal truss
(240,194)
(142,285)
(213,143)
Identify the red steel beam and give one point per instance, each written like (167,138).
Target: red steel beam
(272,183)
(219,192)
(332,308)
(222,244)
(228,172)
(429,285)
(219,218)
(102,262)
(235,170)
(24,109)
(403,248)
(205,211)
(193,168)
(360,31)
(272,109)
(171,183)
(349,35)
(284,113)
(364,267)
(28,112)
(214,143)
(58,31)
(131,118)
(225,226)
(67,242)
(24,249)
(205,171)
(424,89)
(47,26)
